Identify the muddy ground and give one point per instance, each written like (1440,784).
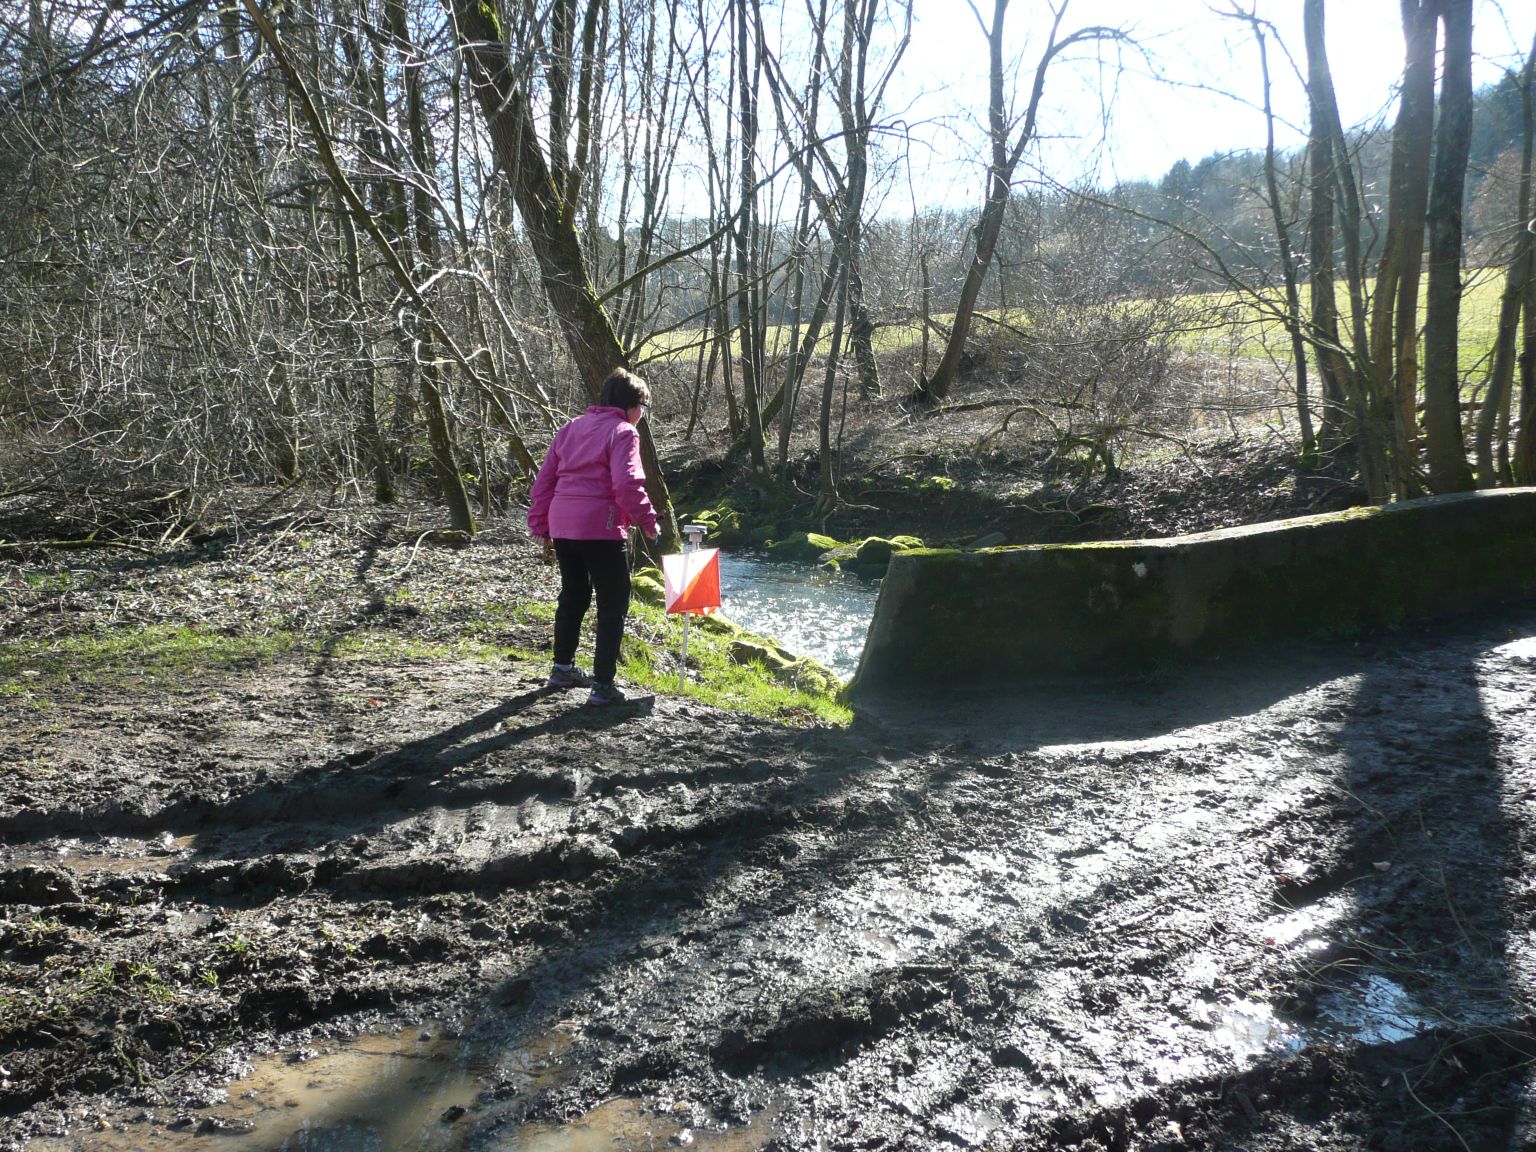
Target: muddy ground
(1277,901)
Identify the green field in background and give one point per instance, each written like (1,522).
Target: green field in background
(1227,324)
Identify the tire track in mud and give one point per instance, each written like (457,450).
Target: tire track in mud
(979,924)
(1224,881)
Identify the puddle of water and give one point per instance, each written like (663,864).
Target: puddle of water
(813,613)
(118,854)
(1249,1029)
(1173,827)
(1202,971)
(1173,1069)
(1305,926)
(401,1092)
(410,1091)
(1092,864)
(626,1125)
(883,945)
(1376,1011)
(971,1127)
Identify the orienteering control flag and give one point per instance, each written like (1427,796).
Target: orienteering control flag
(693,581)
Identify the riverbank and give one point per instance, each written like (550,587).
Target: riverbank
(924,477)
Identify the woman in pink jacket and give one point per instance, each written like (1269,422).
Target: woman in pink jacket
(590,489)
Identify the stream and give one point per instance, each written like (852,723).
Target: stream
(812,612)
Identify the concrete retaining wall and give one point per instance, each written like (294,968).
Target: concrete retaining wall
(1126,607)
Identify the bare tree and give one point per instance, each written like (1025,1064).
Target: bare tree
(1522,282)
(833,167)
(1009,138)
(1444,444)
(545,187)
(1331,184)
(1395,301)
(1520,271)
(1292,315)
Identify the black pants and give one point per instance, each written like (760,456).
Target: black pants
(587,566)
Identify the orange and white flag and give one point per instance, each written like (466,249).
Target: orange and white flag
(692,581)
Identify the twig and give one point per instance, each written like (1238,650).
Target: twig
(393,576)
(24,490)
(74,545)
(1435,1114)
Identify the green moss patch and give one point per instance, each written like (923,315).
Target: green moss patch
(728,666)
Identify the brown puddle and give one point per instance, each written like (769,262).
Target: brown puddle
(626,1125)
(121,854)
(410,1091)
(397,1091)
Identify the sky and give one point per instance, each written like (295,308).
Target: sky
(1190,88)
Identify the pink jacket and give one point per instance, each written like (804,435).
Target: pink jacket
(591,485)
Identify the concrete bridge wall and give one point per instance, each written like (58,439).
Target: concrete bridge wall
(1127,607)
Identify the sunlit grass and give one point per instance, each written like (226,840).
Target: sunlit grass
(1250,327)
(148,655)
(713,677)
(38,674)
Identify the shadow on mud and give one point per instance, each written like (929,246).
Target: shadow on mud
(1420,978)
(1431,1047)
(1021,718)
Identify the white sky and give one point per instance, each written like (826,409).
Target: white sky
(1203,61)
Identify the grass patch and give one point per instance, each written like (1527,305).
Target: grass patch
(713,677)
(376,647)
(1244,328)
(149,658)
(148,655)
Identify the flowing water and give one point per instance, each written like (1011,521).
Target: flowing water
(812,612)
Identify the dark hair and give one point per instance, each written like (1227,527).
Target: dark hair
(623,389)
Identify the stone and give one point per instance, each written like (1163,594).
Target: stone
(648,586)
(784,666)
(801,547)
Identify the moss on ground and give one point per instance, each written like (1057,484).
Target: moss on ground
(412,626)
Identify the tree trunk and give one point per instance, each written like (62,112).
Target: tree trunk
(748,261)
(440,436)
(550,224)
(1293,323)
(1524,463)
(1520,273)
(826,497)
(1337,184)
(1394,324)
(1445,447)
(1332,368)
(368,434)
(794,370)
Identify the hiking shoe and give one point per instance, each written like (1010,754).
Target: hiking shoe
(605,694)
(568,677)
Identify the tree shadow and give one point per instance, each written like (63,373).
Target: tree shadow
(1428,1040)
(1434,923)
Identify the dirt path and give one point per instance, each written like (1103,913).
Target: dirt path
(1282,902)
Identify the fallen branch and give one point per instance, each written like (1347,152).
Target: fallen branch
(79,545)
